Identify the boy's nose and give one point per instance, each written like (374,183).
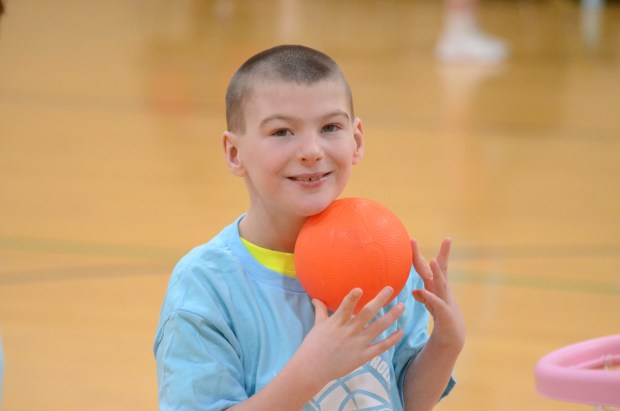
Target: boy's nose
(310,149)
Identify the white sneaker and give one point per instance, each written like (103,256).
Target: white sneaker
(472,45)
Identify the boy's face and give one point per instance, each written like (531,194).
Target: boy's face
(299,145)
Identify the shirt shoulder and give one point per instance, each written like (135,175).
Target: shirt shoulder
(207,270)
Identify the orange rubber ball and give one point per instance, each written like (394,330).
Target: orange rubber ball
(353,243)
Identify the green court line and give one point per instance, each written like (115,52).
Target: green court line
(461,253)
(513,281)
(534,251)
(164,254)
(89,249)
(79,273)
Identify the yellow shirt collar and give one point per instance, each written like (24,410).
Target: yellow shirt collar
(278,261)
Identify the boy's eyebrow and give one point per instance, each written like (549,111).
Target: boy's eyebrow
(336,113)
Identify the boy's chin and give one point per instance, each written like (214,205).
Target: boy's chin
(315,207)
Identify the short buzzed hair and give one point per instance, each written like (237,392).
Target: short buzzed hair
(294,63)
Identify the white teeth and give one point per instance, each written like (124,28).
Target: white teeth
(309,179)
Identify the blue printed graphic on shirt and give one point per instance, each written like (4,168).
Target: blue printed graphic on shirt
(367,388)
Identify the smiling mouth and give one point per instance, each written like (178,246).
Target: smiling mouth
(310,178)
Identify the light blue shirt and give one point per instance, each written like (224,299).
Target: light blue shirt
(228,325)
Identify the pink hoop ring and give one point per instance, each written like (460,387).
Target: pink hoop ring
(574,373)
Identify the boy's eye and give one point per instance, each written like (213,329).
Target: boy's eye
(281,133)
(330,128)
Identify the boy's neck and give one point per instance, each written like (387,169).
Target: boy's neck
(273,233)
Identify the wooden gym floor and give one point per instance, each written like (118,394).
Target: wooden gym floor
(111,169)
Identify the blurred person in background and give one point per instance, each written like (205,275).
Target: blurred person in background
(463,40)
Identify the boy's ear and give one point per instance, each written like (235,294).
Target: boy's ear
(358,137)
(230,142)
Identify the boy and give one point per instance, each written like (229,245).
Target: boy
(237,331)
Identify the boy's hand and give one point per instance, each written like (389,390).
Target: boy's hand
(340,343)
(449,325)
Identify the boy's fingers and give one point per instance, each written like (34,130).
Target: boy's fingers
(420,264)
(371,309)
(440,282)
(383,323)
(385,344)
(433,303)
(320,310)
(345,310)
(444,254)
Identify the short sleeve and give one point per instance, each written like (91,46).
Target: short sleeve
(198,364)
